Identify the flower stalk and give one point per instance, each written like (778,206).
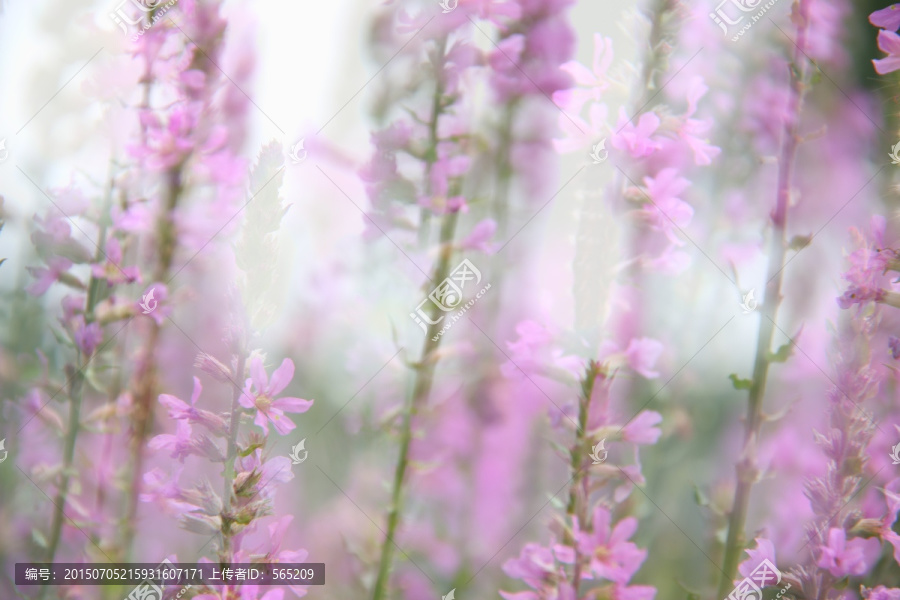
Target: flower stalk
(746,469)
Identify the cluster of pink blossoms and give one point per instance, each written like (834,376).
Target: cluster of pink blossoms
(252,475)
(589,547)
(656,139)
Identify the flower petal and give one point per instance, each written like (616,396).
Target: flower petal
(281,377)
(295,405)
(258,374)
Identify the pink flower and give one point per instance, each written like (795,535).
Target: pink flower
(536,566)
(842,558)
(592,81)
(179,444)
(111,270)
(894,346)
(640,356)
(56,266)
(889,42)
(892,495)
(633,592)
(693,130)
(184,443)
(88,336)
(635,139)
(668,212)
(867,265)
(277,469)
(259,393)
(163,487)
(579,134)
(881,592)
(275,554)
(479,238)
(168,144)
(765,550)
(886,18)
(180,410)
(641,429)
(445,168)
(610,553)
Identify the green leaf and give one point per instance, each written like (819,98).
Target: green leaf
(781,355)
(39,538)
(740,384)
(699,497)
(245,452)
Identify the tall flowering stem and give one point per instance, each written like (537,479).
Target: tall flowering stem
(421,390)
(75,395)
(746,468)
(590,546)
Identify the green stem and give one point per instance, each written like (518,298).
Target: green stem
(419,395)
(576,460)
(746,468)
(75,397)
(231,453)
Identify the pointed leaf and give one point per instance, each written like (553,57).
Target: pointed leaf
(740,384)
(781,355)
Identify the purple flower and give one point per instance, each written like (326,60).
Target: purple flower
(881,592)
(111,270)
(894,345)
(892,495)
(641,355)
(184,443)
(180,410)
(536,566)
(765,550)
(179,444)
(889,42)
(592,81)
(88,336)
(479,238)
(692,130)
(621,591)
(886,18)
(635,139)
(56,266)
(259,393)
(611,555)
(641,429)
(842,558)
(668,212)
